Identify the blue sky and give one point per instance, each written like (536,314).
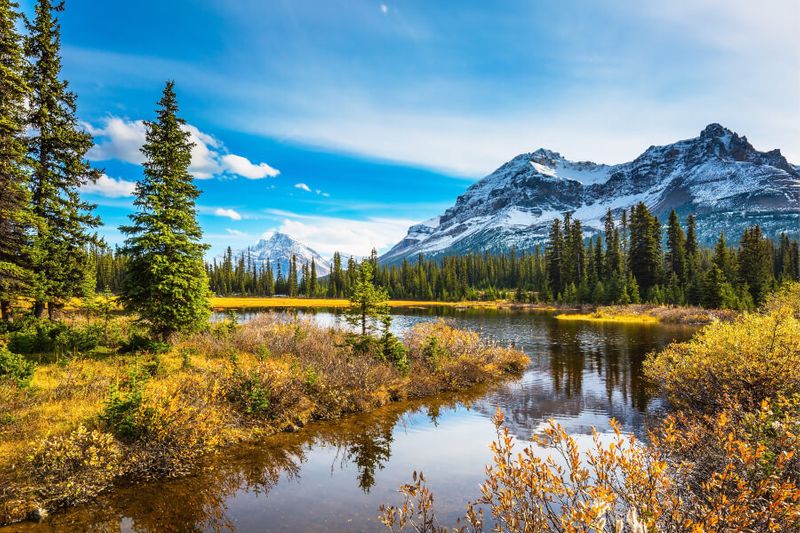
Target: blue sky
(342,122)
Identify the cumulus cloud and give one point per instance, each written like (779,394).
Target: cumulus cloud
(302,186)
(229,213)
(121,139)
(327,235)
(110,187)
(242,166)
(118,139)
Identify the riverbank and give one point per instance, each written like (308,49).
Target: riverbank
(252,302)
(90,421)
(652,314)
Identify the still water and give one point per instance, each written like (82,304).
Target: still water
(333,476)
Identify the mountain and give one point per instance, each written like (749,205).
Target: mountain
(718,176)
(279,249)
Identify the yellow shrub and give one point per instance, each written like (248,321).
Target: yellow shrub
(75,468)
(742,362)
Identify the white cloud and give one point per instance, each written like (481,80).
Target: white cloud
(302,186)
(121,139)
(384,8)
(242,166)
(118,139)
(237,233)
(327,235)
(110,187)
(229,213)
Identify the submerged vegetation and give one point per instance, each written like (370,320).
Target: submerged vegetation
(108,414)
(724,460)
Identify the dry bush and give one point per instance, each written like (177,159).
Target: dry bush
(453,359)
(625,485)
(181,422)
(743,362)
(74,468)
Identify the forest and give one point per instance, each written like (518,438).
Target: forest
(635,259)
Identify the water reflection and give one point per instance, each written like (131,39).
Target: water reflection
(332,476)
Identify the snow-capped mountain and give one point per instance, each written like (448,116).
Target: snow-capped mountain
(279,249)
(718,176)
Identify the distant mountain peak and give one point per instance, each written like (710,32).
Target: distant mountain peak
(279,248)
(715,130)
(719,176)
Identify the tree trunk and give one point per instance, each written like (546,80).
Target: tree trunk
(5,310)
(54,310)
(38,309)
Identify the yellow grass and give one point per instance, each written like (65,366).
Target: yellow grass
(233,302)
(596,317)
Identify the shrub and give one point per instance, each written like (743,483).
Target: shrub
(250,392)
(45,336)
(122,411)
(743,363)
(625,485)
(14,367)
(74,468)
(143,343)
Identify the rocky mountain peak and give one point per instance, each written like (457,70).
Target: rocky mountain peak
(719,176)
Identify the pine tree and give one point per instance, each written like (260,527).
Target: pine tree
(755,263)
(166,282)
(645,247)
(676,248)
(313,282)
(367,302)
(16,219)
(555,250)
(57,150)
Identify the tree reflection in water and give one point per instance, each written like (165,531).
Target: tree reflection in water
(199,503)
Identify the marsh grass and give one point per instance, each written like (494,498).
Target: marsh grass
(652,314)
(88,421)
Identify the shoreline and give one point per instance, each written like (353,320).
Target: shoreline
(122,418)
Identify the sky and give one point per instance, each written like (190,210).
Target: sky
(342,122)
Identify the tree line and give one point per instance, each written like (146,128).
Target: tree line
(634,259)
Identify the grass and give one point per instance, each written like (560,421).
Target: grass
(90,421)
(652,314)
(235,302)
(599,317)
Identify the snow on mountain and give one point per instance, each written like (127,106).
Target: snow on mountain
(279,249)
(718,176)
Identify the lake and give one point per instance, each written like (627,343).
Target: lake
(332,476)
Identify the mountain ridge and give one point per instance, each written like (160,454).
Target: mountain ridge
(719,176)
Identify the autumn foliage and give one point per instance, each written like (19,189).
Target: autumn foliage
(724,460)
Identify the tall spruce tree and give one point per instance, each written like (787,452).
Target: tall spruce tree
(166,282)
(755,263)
(15,215)
(57,148)
(645,247)
(554,258)
(676,249)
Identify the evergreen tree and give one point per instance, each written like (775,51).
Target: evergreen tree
(367,302)
(313,282)
(15,217)
(645,247)
(57,150)
(676,248)
(554,256)
(166,282)
(755,263)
